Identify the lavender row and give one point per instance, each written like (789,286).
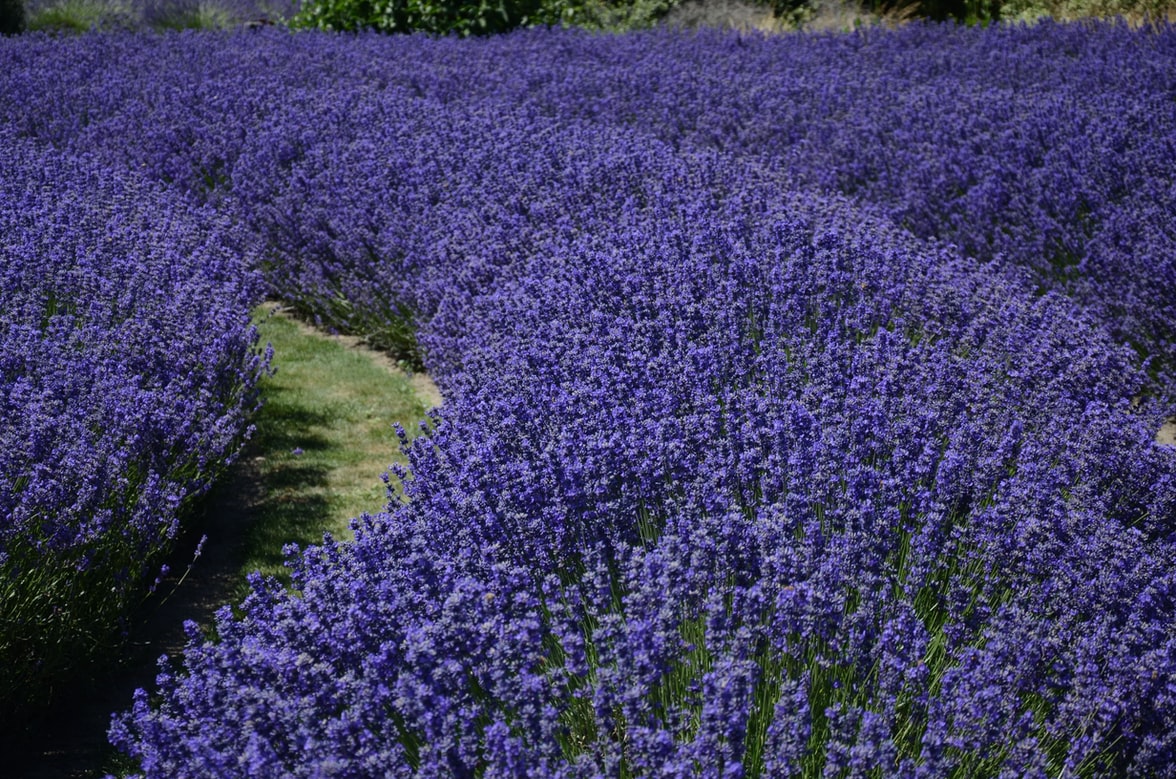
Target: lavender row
(729,480)
(127,375)
(728,484)
(1045,147)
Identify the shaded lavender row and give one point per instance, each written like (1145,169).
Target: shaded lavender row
(127,374)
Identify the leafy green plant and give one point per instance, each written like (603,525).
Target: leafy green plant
(970,12)
(465,17)
(613,16)
(480,17)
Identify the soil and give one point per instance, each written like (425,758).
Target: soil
(1167,434)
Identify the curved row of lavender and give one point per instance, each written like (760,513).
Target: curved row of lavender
(127,375)
(1046,147)
(730,480)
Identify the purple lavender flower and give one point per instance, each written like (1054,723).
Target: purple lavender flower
(801,394)
(128,376)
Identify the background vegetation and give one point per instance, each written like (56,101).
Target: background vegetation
(479,17)
(12,16)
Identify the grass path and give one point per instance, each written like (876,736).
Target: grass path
(324,437)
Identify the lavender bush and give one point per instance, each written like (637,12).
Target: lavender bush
(712,507)
(127,374)
(1043,147)
(801,395)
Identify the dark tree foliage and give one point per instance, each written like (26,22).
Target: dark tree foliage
(12,17)
(963,11)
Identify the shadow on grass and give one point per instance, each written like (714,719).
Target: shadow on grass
(290,511)
(323,438)
(283,426)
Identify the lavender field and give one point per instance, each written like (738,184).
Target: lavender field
(803,394)
(127,374)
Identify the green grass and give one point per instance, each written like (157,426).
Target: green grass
(206,16)
(78,16)
(336,404)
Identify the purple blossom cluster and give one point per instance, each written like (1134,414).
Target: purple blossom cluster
(127,375)
(801,396)
(1042,147)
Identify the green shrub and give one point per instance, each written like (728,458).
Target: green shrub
(479,17)
(618,15)
(81,15)
(792,13)
(465,17)
(963,11)
(12,17)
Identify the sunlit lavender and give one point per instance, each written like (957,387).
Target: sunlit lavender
(801,394)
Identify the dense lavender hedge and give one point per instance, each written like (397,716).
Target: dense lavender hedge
(1047,147)
(738,485)
(127,374)
(801,395)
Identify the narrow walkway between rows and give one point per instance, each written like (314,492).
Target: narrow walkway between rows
(324,437)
